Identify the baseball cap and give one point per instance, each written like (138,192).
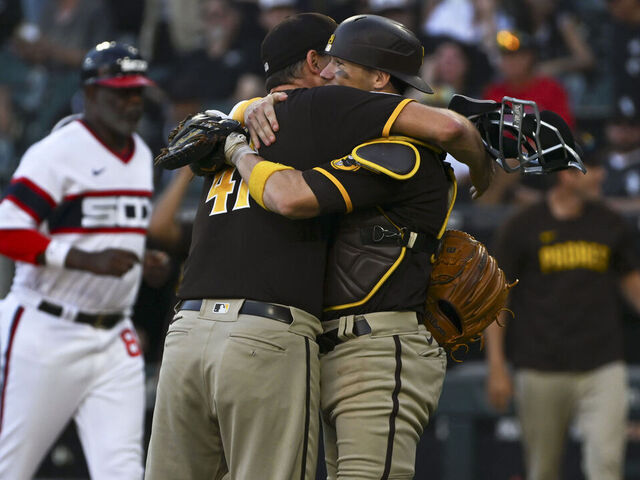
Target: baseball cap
(290,40)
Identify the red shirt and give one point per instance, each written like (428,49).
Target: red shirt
(546,92)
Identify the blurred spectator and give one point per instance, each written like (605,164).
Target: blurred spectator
(272,12)
(624,52)
(622,186)
(66,30)
(48,54)
(10,17)
(449,70)
(572,255)
(474,22)
(127,19)
(228,66)
(560,40)
(557,35)
(518,67)
(403,11)
(170,28)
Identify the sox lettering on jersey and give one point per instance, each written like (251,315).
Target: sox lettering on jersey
(128,212)
(102,211)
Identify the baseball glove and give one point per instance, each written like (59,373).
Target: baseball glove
(467,290)
(198,141)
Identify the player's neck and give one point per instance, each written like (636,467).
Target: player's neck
(564,204)
(116,141)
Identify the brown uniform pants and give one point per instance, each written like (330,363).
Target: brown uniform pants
(378,393)
(238,395)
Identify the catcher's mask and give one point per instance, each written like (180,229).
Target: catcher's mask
(532,142)
(380,43)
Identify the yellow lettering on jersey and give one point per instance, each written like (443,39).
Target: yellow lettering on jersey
(221,187)
(242,199)
(574,255)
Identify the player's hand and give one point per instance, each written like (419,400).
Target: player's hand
(260,119)
(156,268)
(482,176)
(112,261)
(499,388)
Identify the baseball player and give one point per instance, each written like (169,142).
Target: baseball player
(381,371)
(74,219)
(576,257)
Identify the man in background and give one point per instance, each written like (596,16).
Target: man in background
(572,255)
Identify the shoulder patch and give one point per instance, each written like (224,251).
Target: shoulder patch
(394,157)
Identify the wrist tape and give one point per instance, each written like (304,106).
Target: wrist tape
(56,253)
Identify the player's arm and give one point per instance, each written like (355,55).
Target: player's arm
(277,188)
(26,205)
(449,130)
(499,384)
(454,134)
(163,227)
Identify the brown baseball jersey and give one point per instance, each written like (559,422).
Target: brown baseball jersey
(240,250)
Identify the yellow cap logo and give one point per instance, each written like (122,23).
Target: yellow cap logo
(330,43)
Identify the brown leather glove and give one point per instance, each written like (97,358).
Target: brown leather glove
(467,290)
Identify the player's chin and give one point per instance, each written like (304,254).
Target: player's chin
(130,120)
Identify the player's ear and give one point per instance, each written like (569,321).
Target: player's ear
(380,79)
(313,62)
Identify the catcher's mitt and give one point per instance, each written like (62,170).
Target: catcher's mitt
(198,141)
(467,290)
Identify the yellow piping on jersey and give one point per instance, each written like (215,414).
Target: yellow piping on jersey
(453,193)
(387,126)
(382,279)
(343,191)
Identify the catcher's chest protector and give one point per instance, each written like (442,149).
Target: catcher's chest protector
(363,255)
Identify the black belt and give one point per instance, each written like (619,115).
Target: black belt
(97,320)
(249,307)
(328,340)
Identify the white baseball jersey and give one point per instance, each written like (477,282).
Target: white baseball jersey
(72,190)
(85,196)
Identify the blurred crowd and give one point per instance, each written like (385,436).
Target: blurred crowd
(579,58)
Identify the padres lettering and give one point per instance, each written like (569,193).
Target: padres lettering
(574,255)
(129,212)
(224,185)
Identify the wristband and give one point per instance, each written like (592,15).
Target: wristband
(56,253)
(237,112)
(259,176)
